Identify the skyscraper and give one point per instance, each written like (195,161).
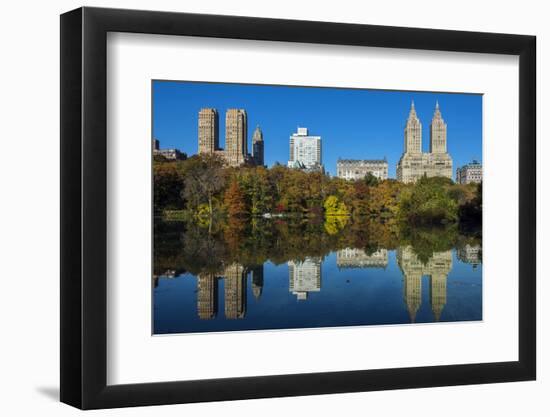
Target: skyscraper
(208,131)
(305,151)
(413,133)
(438,133)
(414,163)
(235,137)
(258,147)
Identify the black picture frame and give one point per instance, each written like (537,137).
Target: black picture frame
(84,207)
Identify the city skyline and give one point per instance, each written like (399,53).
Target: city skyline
(354,124)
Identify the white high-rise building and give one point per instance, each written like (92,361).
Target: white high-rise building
(305,151)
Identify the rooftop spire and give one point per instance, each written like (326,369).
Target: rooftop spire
(258,135)
(437,112)
(412,113)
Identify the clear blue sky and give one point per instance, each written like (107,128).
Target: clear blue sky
(352,123)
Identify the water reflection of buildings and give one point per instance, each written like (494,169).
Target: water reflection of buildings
(437,267)
(235,291)
(358,258)
(168,274)
(304,277)
(207,295)
(234,276)
(257,273)
(470,254)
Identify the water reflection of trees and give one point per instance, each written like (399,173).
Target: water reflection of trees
(187,246)
(234,251)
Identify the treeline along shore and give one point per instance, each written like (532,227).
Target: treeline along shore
(182,246)
(202,189)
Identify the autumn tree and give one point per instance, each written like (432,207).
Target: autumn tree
(383,199)
(360,198)
(234,200)
(203,178)
(335,207)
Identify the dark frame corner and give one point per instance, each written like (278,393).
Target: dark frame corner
(83,207)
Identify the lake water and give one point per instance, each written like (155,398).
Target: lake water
(303,276)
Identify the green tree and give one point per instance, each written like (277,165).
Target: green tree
(470,213)
(167,186)
(257,189)
(370,180)
(428,202)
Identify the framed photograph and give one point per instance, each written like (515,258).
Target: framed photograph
(255,208)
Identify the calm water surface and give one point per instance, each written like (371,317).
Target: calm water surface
(316,276)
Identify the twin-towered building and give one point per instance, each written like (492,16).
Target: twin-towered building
(415,164)
(236,137)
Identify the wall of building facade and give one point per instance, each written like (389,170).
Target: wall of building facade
(208,130)
(355,169)
(471,173)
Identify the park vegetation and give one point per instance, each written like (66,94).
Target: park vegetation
(202,189)
(189,246)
